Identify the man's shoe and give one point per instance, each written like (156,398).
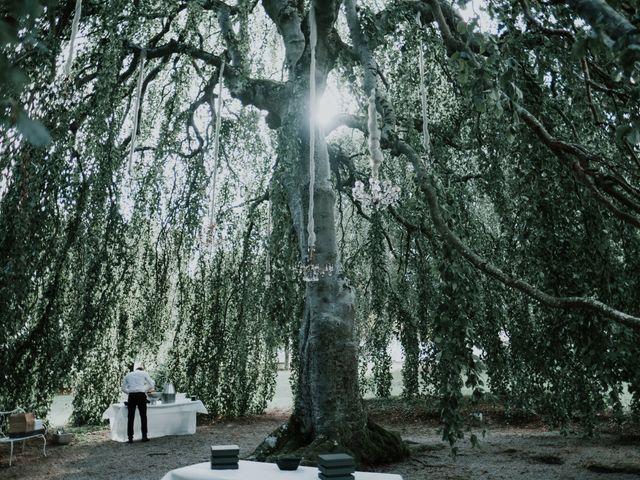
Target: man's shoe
(130,440)
(145,439)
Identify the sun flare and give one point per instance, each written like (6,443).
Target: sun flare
(330,104)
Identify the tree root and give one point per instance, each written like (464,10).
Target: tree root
(373,446)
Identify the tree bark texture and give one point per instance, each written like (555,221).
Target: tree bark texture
(329,414)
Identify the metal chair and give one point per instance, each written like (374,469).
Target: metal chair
(4,416)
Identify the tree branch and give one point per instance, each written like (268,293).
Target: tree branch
(399,147)
(580,167)
(287,17)
(263,94)
(603,17)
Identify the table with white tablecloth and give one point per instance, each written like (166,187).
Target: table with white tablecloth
(261,471)
(177,418)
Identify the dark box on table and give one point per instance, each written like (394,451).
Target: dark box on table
(332,460)
(336,477)
(336,471)
(223,460)
(224,457)
(230,466)
(336,466)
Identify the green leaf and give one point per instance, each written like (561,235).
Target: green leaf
(633,137)
(8,33)
(579,48)
(33,130)
(17,79)
(517,92)
(29,7)
(622,131)
(479,103)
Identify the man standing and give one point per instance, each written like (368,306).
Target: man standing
(136,384)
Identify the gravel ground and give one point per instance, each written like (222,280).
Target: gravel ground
(504,453)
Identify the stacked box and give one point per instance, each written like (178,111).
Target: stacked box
(21,423)
(336,466)
(224,457)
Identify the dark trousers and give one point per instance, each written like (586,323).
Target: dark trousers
(137,399)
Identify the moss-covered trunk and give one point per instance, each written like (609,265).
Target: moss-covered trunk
(329,414)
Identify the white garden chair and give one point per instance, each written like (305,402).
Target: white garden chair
(5,438)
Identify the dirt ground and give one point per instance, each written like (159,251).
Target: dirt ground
(523,452)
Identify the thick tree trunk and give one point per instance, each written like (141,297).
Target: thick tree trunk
(329,414)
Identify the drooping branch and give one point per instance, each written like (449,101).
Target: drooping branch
(398,147)
(450,41)
(345,120)
(546,30)
(582,166)
(207,98)
(148,78)
(386,20)
(601,16)
(174,47)
(218,5)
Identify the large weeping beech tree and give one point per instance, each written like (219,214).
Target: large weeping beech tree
(516,151)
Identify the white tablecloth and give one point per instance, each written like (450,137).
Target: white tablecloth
(260,471)
(162,419)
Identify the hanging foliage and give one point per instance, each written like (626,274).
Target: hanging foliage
(511,255)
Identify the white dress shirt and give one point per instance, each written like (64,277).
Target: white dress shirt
(137,381)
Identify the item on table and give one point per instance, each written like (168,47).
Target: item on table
(336,470)
(336,466)
(336,477)
(24,425)
(154,395)
(224,457)
(225,450)
(231,466)
(224,460)
(168,393)
(288,463)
